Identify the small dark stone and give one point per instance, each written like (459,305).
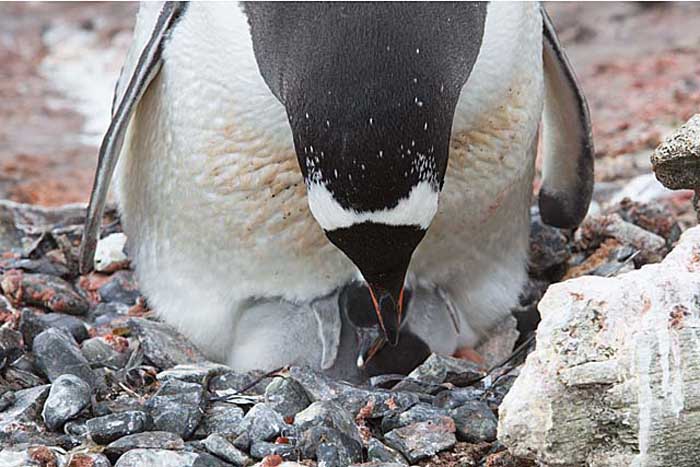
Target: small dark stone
(379,452)
(423,439)
(177,407)
(100,353)
(121,288)
(262,449)
(458,396)
(58,354)
(68,396)
(32,324)
(10,345)
(104,430)
(17,378)
(475,422)
(162,345)
(549,248)
(160,458)
(222,448)
(45,291)
(24,410)
(76,428)
(43,265)
(146,440)
(82,459)
(6,399)
(262,423)
(286,397)
(330,415)
(222,418)
(418,413)
(337,451)
(329,446)
(378,401)
(200,373)
(231,381)
(242,442)
(439,369)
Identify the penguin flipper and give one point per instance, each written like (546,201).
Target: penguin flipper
(567,174)
(147,67)
(329,327)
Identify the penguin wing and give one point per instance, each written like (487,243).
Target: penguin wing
(567,175)
(146,68)
(329,327)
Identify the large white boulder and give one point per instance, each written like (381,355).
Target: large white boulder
(615,377)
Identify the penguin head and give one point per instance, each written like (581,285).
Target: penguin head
(370,91)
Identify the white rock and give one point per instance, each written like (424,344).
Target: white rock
(643,189)
(109,254)
(615,377)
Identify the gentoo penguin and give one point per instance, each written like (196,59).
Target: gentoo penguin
(271,153)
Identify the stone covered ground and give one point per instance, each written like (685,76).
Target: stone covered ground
(88,377)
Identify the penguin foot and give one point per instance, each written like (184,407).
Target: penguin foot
(468,353)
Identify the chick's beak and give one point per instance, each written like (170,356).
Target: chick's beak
(388,304)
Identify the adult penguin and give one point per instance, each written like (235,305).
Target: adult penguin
(273,152)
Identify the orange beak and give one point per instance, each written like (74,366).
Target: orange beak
(388,305)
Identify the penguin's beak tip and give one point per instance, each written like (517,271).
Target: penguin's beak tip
(389,308)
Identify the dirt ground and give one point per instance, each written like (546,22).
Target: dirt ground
(639,64)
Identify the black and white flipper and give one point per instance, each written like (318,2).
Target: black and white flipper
(567,173)
(146,69)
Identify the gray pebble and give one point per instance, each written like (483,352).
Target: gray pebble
(10,345)
(6,399)
(57,354)
(145,440)
(121,288)
(330,415)
(222,418)
(423,439)
(88,459)
(177,407)
(439,369)
(45,291)
(334,449)
(222,448)
(68,396)
(286,397)
(458,396)
(262,449)
(158,458)
(319,387)
(200,373)
(100,353)
(475,422)
(379,452)
(31,324)
(262,423)
(162,345)
(418,413)
(104,430)
(311,440)
(25,409)
(231,381)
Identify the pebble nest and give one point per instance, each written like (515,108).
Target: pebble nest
(90,377)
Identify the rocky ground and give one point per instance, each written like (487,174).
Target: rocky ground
(88,377)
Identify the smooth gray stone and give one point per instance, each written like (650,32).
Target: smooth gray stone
(68,396)
(58,354)
(177,407)
(104,430)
